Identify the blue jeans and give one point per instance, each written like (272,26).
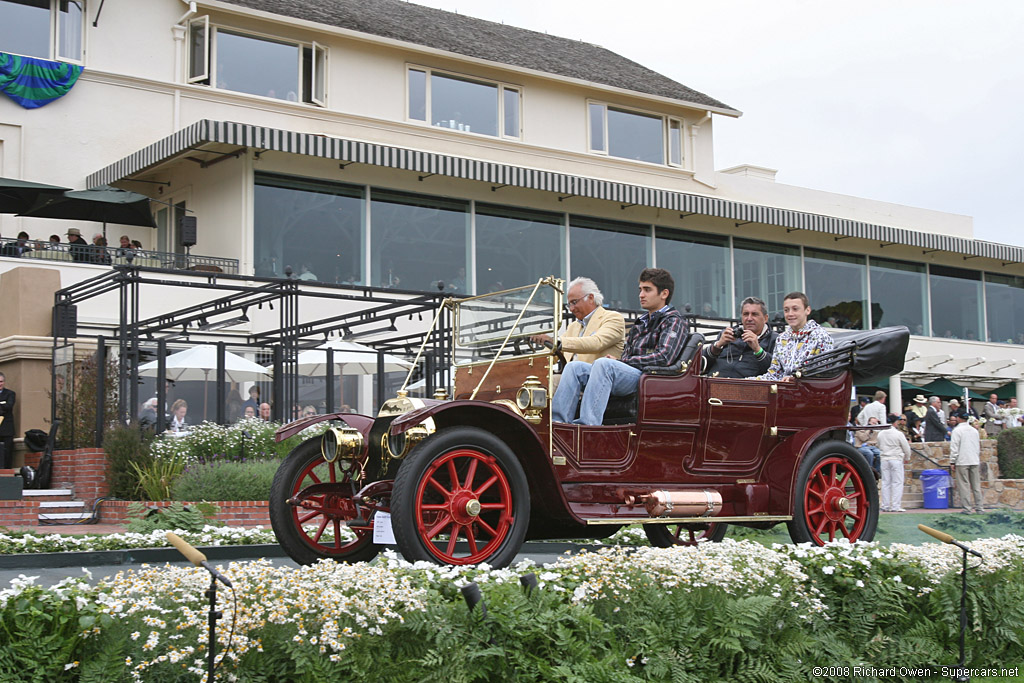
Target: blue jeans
(873,456)
(598,381)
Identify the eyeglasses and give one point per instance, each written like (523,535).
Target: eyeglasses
(572,302)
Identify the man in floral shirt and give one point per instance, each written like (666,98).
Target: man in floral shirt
(656,339)
(803,339)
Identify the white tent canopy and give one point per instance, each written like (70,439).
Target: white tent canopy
(200,361)
(350,358)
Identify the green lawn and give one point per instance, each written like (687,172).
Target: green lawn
(901,527)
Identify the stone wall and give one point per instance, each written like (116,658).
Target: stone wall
(998,492)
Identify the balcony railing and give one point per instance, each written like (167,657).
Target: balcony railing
(106,256)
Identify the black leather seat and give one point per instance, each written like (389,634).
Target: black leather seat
(623,409)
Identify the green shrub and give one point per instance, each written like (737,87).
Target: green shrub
(226,481)
(125,447)
(1010,451)
(158,476)
(174,517)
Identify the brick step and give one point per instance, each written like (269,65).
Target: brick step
(63,516)
(46,494)
(54,506)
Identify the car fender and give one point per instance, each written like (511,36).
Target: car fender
(546,495)
(783,462)
(361,423)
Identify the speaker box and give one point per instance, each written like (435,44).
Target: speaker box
(65,321)
(187,231)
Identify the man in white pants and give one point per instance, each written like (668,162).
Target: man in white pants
(895,451)
(965,461)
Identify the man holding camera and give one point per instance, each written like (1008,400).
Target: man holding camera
(745,350)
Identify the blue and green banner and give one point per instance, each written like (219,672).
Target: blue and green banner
(34,83)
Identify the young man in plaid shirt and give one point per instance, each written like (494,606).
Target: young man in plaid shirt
(655,340)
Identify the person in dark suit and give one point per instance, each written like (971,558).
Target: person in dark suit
(746,356)
(934,429)
(7,398)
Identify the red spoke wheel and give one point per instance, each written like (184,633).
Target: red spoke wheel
(461,497)
(668,535)
(319,529)
(836,496)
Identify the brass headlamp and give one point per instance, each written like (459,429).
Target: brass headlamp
(341,442)
(532,399)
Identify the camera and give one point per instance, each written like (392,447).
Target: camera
(737,331)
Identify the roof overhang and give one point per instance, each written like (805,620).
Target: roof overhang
(240,135)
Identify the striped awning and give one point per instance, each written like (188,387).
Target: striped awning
(310,144)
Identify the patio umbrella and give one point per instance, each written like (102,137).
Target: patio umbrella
(103,204)
(353,359)
(944,388)
(20,195)
(199,361)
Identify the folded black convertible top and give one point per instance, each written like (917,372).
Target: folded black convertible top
(870,355)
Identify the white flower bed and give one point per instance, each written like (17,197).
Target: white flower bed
(209,536)
(327,605)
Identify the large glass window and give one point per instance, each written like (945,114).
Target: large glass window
(610,253)
(316,228)
(767,271)
(634,135)
(956,302)
(836,284)
(256,65)
(419,242)
(700,266)
(459,103)
(1004,301)
(516,246)
(899,295)
(49,29)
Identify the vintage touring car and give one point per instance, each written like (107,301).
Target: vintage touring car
(467,478)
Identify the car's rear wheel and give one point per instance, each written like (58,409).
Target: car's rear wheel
(319,529)
(461,497)
(668,535)
(835,497)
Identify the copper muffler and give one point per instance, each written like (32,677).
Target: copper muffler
(682,503)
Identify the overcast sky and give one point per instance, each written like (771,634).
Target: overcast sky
(918,102)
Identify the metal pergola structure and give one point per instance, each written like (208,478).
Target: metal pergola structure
(373,311)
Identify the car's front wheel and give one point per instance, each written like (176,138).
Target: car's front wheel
(835,497)
(461,497)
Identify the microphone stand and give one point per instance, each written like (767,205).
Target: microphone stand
(946,538)
(199,560)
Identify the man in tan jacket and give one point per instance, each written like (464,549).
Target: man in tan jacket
(596,332)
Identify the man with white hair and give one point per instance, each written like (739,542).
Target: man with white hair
(596,332)
(934,427)
(147,416)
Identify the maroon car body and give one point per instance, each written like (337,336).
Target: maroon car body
(467,480)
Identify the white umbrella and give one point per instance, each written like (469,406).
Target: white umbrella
(199,361)
(353,359)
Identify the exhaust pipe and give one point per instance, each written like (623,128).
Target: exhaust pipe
(681,503)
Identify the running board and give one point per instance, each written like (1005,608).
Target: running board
(686,520)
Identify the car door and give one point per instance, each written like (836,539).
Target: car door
(738,425)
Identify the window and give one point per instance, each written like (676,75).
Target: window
(899,295)
(314,227)
(1004,301)
(466,104)
(48,29)
(257,65)
(700,266)
(610,253)
(419,242)
(516,246)
(956,302)
(635,135)
(767,271)
(837,288)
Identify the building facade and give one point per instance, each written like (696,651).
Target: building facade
(385,144)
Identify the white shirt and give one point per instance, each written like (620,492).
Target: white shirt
(873,409)
(964,446)
(892,444)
